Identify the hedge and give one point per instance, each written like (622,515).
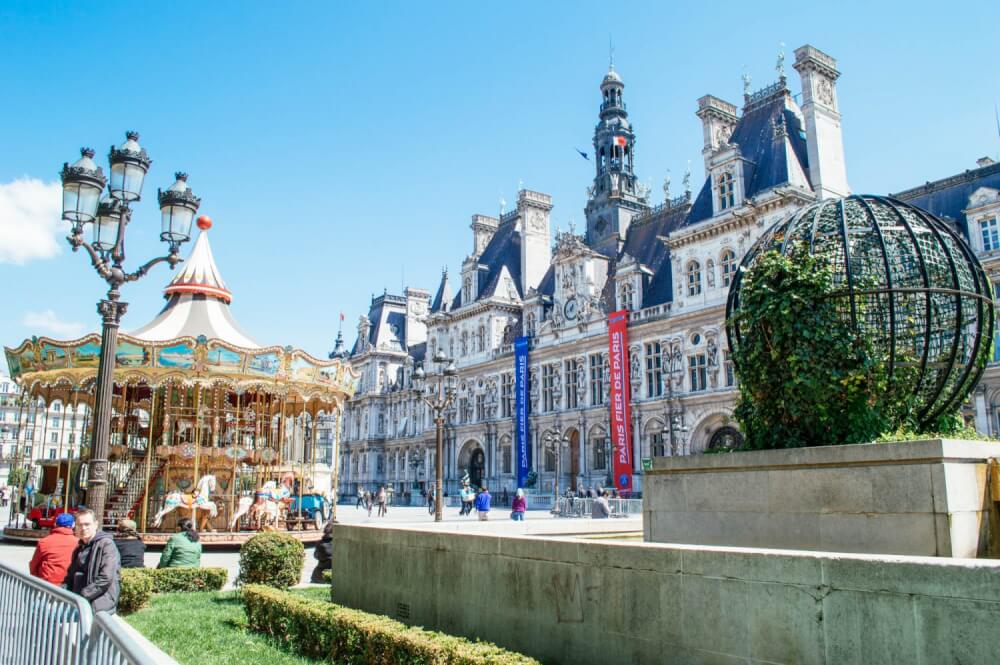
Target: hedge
(337,634)
(136,588)
(271,558)
(137,584)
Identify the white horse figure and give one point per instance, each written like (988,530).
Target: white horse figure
(245,503)
(197,501)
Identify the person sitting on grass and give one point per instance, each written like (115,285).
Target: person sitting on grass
(183,549)
(131,549)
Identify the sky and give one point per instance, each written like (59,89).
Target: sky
(341,148)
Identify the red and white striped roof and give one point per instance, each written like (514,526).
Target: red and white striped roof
(199,273)
(197,303)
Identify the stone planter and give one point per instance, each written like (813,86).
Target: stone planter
(928,498)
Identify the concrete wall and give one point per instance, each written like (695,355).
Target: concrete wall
(579,602)
(926,498)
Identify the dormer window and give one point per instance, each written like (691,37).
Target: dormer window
(694,278)
(728,263)
(467,291)
(530,325)
(989,233)
(626,296)
(727,191)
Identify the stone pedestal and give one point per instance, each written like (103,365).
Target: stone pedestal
(926,498)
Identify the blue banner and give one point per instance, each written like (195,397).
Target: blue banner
(522,441)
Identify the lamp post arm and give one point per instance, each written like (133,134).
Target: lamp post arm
(76,241)
(172,258)
(118,251)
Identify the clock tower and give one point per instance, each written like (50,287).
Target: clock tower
(616,195)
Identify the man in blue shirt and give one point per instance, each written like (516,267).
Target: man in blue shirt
(483,505)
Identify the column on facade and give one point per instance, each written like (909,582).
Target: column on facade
(582,428)
(982,413)
(636,442)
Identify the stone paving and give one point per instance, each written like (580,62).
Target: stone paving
(537,522)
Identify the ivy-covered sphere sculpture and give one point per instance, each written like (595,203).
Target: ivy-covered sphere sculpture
(905,281)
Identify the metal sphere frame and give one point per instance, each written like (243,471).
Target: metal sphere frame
(907,281)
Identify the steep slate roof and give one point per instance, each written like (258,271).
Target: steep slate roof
(948,197)
(503,250)
(765,159)
(382,319)
(443,295)
(643,243)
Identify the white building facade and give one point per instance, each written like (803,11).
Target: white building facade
(669,264)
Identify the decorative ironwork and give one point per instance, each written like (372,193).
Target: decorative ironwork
(909,283)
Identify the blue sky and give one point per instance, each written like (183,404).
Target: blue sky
(341,148)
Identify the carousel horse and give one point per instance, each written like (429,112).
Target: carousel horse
(198,501)
(266,505)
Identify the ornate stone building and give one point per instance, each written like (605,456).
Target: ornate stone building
(669,263)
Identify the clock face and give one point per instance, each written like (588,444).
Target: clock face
(570,309)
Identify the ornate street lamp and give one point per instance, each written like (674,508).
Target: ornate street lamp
(556,443)
(438,396)
(678,431)
(675,366)
(83,181)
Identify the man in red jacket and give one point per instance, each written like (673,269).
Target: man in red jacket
(55,551)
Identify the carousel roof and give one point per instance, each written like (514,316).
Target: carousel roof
(197,304)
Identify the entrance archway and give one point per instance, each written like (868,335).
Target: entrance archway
(726,438)
(472,460)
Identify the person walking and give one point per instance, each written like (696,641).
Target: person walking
(380,499)
(182,549)
(430,501)
(94,568)
(468,496)
(369,502)
(600,509)
(323,555)
(361,498)
(54,552)
(4,496)
(518,506)
(131,549)
(483,505)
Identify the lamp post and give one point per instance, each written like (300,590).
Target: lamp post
(83,182)
(438,397)
(556,442)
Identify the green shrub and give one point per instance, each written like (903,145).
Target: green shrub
(327,576)
(136,588)
(332,633)
(807,377)
(166,580)
(274,559)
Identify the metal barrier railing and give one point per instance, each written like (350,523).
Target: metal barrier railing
(45,625)
(577,507)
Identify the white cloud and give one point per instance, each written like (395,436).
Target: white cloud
(48,322)
(30,224)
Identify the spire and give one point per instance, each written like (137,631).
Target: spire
(339,350)
(199,273)
(442,300)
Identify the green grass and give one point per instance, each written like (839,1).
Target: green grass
(313,592)
(208,628)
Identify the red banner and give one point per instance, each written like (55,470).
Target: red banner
(620,429)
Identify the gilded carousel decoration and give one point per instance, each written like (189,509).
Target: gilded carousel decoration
(206,422)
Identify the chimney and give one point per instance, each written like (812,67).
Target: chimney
(824,139)
(718,118)
(536,239)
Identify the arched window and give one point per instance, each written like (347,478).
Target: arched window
(727,191)
(728,263)
(467,291)
(626,296)
(481,338)
(530,325)
(694,278)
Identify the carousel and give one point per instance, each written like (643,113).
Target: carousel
(206,422)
